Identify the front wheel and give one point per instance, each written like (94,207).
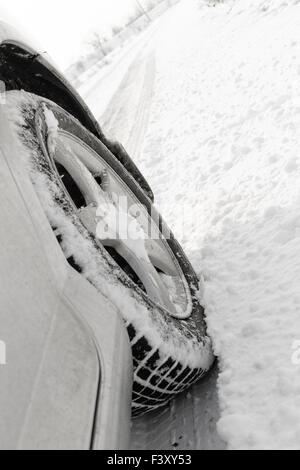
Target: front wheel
(111,233)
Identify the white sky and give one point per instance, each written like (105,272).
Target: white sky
(62,26)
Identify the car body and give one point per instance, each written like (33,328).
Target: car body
(66,376)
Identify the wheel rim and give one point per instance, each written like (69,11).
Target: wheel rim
(119,222)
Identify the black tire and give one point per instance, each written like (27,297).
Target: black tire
(172,354)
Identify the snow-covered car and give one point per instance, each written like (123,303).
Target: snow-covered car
(84,257)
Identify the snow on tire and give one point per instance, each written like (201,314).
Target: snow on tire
(148,278)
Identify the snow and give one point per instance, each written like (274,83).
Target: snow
(52,128)
(222,156)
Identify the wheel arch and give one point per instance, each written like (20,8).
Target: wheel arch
(22,68)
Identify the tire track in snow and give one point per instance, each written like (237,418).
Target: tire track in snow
(187,423)
(126,117)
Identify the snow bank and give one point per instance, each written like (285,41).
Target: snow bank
(222,155)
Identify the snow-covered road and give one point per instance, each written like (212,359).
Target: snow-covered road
(127,115)
(221,154)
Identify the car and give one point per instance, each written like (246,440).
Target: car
(101,315)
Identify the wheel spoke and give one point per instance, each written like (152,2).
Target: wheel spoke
(154,286)
(159,257)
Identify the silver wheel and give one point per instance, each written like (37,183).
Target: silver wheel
(114,216)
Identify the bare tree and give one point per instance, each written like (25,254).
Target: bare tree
(97,41)
(116,30)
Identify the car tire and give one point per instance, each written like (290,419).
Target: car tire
(170,352)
